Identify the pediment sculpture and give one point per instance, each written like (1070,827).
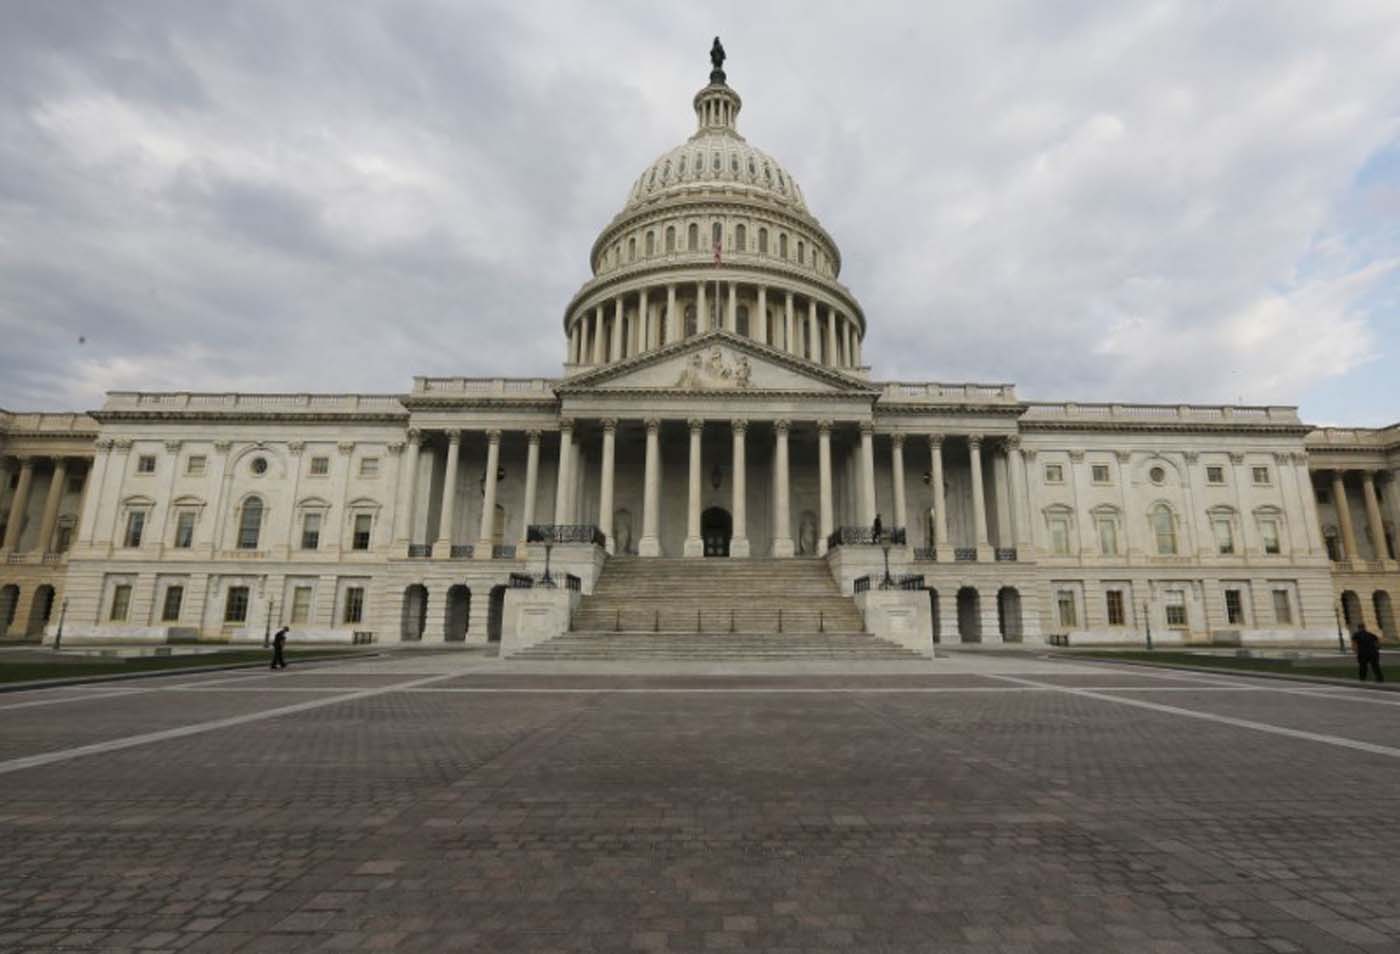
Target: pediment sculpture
(715,369)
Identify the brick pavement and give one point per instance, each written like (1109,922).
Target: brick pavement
(980,816)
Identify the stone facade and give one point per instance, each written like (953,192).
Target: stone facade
(713,402)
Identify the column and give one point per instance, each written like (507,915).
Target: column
(940,510)
(789,325)
(650,543)
(855,343)
(408,487)
(92,491)
(574,340)
(867,473)
(739,539)
(615,347)
(1307,503)
(1373,515)
(901,513)
(702,317)
(850,343)
(731,313)
(782,522)
(644,316)
(599,341)
(1020,519)
(831,355)
(15,527)
(673,316)
(561,490)
(824,484)
(487,540)
(447,512)
(532,482)
(1339,502)
(694,546)
(51,502)
(979,503)
(605,482)
(1003,508)
(814,335)
(759,333)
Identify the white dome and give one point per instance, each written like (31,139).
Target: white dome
(720,160)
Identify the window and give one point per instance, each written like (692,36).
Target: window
(690,326)
(670,238)
(311,531)
(135,524)
(1268,530)
(195,465)
(1114,599)
(184,530)
(1176,609)
(369,467)
(236,605)
(75,483)
(782,245)
(1064,599)
(64,539)
(250,524)
(741,238)
(1099,473)
(632,249)
(1334,549)
(121,602)
(1059,536)
(692,238)
(301,604)
(1108,536)
(1054,474)
(741,320)
(354,604)
(651,244)
(1261,475)
(1234,607)
(1164,529)
(170,611)
(320,466)
(146,464)
(363,522)
(716,235)
(801,253)
(258,466)
(1224,535)
(1283,607)
(1157,474)
(1215,475)
(763,241)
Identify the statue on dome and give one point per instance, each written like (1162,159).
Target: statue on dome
(717,61)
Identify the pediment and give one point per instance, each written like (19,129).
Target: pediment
(717,361)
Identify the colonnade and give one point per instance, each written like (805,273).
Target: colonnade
(635,322)
(1375,523)
(19,503)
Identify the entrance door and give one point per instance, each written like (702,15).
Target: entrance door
(716,526)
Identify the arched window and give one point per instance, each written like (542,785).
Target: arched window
(670,238)
(631,250)
(763,241)
(692,238)
(801,256)
(651,244)
(250,523)
(741,238)
(1164,529)
(782,245)
(716,235)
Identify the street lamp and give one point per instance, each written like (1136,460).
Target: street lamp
(1147,618)
(267,625)
(888,582)
(1341,643)
(58,636)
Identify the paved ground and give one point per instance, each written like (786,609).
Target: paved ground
(436,803)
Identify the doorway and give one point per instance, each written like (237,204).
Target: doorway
(716,526)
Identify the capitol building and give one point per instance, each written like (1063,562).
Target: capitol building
(716,446)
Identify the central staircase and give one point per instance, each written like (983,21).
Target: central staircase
(716,609)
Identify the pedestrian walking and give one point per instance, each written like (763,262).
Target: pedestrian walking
(279,640)
(1368,652)
(877,529)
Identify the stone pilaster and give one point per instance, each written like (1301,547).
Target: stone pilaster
(782,522)
(650,543)
(484,545)
(739,539)
(605,482)
(694,546)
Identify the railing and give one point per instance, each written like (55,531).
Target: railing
(1275,414)
(1006,554)
(926,554)
(565,533)
(362,637)
(965,554)
(463,551)
(234,402)
(908,581)
(520,581)
(524,387)
(735,619)
(865,536)
(572,582)
(420,551)
(949,392)
(503,551)
(861,584)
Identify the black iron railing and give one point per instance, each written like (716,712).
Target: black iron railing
(865,536)
(861,584)
(463,551)
(572,582)
(927,554)
(521,581)
(965,554)
(565,533)
(1006,554)
(909,581)
(503,551)
(420,551)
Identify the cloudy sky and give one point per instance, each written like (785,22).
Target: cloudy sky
(1155,201)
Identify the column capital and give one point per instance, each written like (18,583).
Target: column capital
(782,425)
(1076,455)
(533,435)
(1193,456)
(1236,457)
(867,428)
(653,424)
(1283,457)
(493,435)
(103,444)
(295,448)
(395,448)
(1368,476)
(415,436)
(897,439)
(696,424)
(1012,443)
(173,447)
(122,444)
(825,424)
(223,447)
(935,442)
(974,441)
(566,424)
(739,425)
(608,424)
(1123,456)
(345,447)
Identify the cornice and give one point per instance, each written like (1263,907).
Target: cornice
(207,417)
(1184,427)
(908,410)
(424,402)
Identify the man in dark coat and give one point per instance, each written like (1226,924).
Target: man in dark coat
(279,640)
(1368,652)
(877,530)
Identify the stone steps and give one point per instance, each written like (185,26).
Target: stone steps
(716,646)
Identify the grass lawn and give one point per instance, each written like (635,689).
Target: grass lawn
(23,667)
(1236,663)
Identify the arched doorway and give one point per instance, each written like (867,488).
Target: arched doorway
(9,605)
(969,615)
(40,610)
(459,608)
(495,609)
(1009,614)
(1385,613)
(935,622)
(415,613)
(1351,610)
(716,526)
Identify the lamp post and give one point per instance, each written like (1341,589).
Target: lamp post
(58,636)
(546,580)
(1147,619)
(887,583)
(267,624)
(1341,643)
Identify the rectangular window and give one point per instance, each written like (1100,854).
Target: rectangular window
(301,604)
(320,466)
(1261,475)
(363,522)
(1268,529)
(1176,609)
(75,483)
(236,605)
(354,604)
(184,530)
(1064,599)
(1224,535)
(1099,473)
(121,602)
(1215,475)
(1108,536)
(1283,608)
(170,611)
(369,467)
(1234,607)
(194,466)
(1054,474)
(65,538)
(1059,536)
(146,464)
(135,524)
(311,531)
(1115,607)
